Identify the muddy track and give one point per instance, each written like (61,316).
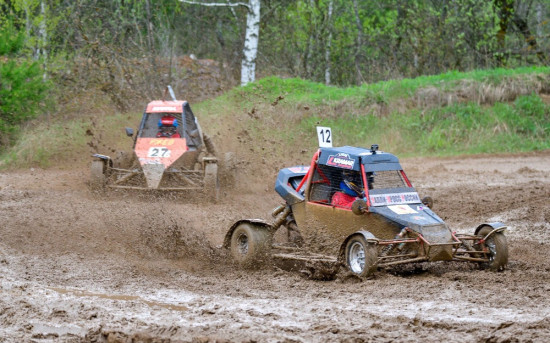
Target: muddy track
(77,266)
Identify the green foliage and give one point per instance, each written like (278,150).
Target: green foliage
(22,88)
(11,40)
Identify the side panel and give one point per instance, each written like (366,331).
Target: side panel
(325,227)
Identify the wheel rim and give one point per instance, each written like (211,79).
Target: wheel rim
(356,257)
(242,244)
(492,249)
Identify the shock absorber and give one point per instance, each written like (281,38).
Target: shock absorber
(280,216)
(210,147)
(278,210)
(392,246)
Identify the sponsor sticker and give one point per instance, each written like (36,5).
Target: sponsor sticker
(402,209)
(394,199)
(148,161)
(298,170)
(164,108)
(341,160)
(162,141)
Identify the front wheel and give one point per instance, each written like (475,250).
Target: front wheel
(497,248)
(361,256)
(97,180)
(251,245)
(211,182)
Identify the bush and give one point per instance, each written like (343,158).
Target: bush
(22,86)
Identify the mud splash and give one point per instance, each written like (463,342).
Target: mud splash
(82,267)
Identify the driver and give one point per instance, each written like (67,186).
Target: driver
(350,189)
(168,126)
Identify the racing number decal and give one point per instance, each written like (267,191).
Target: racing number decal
(158,152)
(324,134)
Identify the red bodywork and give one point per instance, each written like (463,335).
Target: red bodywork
(163,150)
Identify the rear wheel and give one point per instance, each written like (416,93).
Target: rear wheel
(251,245)
(211,182)
(361,256)
(229,168)
(97,180)
(497,247)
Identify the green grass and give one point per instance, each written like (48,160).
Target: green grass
(44,145)
(523,125)
(492,111)
(66,144)
(468,126)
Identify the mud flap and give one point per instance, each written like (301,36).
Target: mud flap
(495,227)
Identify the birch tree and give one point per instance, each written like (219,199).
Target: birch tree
(329,44)
(252,34)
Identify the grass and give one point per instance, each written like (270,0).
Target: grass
(468,128)
(485,111)
(66,144)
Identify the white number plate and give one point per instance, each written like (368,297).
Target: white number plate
(158,152)
(324,134)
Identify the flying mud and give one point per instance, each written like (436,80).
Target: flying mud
(79,266)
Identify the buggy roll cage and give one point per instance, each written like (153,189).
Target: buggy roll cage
(314,165)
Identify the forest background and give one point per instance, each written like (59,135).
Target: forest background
(58,57)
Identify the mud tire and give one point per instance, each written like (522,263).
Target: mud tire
(229,168)
(361,257)
(97,175)
(211,182)
(498,250)
(251,245)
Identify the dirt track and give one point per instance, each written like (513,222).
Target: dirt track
(79,267)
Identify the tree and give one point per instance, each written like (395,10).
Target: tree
(252,34)
(507,13)
(22,88)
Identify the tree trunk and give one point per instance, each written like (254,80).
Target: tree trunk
(359,43)
(309,44)
(329,43)
(250,49)
(150,42)
(43,39)
(505,9)
(530,39)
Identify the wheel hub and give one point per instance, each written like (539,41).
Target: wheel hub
(356,257)
(242,244)
(492,249)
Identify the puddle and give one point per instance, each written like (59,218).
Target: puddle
(40,330)
(120,297)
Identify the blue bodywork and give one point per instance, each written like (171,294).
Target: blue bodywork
(288,181)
